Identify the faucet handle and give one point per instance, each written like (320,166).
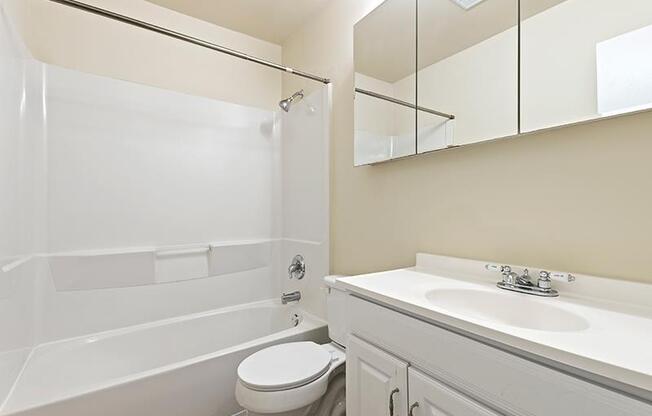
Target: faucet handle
(546,278)
(562,277)
(544,281)
(557,276)
(498,268)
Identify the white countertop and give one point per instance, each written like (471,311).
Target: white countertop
(616,342)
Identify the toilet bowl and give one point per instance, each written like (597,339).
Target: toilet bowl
(298,378)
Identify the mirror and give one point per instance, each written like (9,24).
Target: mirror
(385,82)
(583,60)
(487,69)
(468,72)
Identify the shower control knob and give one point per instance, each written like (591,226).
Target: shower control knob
(297,268)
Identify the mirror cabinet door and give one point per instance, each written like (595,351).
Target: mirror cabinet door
(584,59)
(435,74)
(385,83)
(467,80)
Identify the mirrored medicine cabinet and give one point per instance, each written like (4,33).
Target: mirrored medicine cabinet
(437,74)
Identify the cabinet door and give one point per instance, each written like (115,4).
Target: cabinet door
(428,397)
(375,380)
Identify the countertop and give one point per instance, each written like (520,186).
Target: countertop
(614,345)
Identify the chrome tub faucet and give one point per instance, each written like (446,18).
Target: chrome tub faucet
(290,297)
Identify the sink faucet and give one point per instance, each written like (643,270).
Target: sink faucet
(524,279)
(524,284)
(290,297)
(512,278)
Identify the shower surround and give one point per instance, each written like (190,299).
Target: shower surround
(128,205)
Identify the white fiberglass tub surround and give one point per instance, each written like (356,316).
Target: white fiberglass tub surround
(185,365)
(145,231)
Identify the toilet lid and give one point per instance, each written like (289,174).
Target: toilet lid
(284,366)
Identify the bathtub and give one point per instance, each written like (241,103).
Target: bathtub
(185,366)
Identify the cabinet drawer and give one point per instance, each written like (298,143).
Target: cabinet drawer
(491,376)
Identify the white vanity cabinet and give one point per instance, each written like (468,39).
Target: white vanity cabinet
(380,384)
(428,397)
(450,374)
(375,381)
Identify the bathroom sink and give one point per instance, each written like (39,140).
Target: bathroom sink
(508,309)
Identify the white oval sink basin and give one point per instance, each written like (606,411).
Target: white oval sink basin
(507,309)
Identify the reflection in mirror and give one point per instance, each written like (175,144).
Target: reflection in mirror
(385,98)
(435,132)
(383,130)
(468,68)
(584,59)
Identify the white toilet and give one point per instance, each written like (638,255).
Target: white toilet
(299,378)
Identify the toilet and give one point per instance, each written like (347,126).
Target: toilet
(299,378)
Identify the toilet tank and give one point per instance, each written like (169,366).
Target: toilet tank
(336,311)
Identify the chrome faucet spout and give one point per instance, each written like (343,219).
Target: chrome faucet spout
(524,279)
(290,297)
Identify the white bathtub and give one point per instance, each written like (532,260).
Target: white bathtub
(184,366)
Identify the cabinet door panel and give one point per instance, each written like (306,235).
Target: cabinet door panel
(436,399)
(371,377)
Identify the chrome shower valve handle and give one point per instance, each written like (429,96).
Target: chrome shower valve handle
(297,268)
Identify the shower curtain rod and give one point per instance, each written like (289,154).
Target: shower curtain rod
(186,38)
(404,103)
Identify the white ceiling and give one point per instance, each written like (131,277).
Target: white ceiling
(270,20)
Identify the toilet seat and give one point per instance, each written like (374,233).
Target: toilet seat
(284,366)
(283,392)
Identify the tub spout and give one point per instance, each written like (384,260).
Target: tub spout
(290,297)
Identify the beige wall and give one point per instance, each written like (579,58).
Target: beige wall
(575,199)
(66,37)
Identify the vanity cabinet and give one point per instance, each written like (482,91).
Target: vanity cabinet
(449,373)
(374,379)
(428,397)
(380,384)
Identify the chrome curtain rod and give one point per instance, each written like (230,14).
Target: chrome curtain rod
(404,103)
(186,38)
